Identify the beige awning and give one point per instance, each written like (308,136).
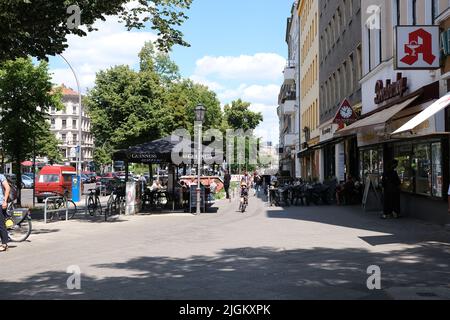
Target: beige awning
(434,108)
(378,118)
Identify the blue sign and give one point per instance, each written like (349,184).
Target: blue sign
(76,188)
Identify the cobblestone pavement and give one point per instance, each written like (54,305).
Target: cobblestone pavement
(266,253)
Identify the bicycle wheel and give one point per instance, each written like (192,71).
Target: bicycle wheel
(21,231)
(91,206)
(110,207)
(53,205)
(72,208)
(98,206)
(121,205)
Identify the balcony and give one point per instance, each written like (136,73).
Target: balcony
(287,93)
(290,139)
(289,107)
(289,72)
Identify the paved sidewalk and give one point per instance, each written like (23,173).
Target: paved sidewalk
(266,253)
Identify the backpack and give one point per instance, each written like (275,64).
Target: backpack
(13,190)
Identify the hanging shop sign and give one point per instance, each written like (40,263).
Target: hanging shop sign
(418,47)
(391,89)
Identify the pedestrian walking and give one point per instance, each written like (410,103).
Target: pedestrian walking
(391,185)
(4,196)
(227,184)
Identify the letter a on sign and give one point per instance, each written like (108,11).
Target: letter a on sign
(418,47)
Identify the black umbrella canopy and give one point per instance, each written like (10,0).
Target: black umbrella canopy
(162,151)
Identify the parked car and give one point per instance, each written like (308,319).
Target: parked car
(90,177)
(27,182)
(54,180)
(29,175)
(107,185)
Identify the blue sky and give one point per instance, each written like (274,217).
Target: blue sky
(237,49)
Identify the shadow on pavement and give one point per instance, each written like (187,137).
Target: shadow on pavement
(247,273)
(404,230)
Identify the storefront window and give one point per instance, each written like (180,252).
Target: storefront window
(371,163)
(420,168)
(437,176)
(403,154)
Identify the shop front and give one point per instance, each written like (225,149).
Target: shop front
(422,151)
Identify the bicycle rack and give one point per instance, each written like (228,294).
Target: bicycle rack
(66,209)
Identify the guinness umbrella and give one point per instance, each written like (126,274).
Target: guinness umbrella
(161,151)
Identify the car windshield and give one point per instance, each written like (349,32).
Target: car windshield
(46,178)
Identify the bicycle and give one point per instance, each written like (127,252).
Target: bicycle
(116,204)
(244,203)
(61,204)
(18,223)
(94,205)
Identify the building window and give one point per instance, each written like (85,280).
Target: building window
(63,137)
(64,124)
(53,123)
(74,123)
(371,163)
(420,168)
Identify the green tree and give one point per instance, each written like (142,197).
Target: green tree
(25,97)
(239,116)
(102,157)
(180,100)
(47,144)
(160,63)
(39,27)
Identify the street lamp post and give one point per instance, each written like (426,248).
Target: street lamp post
(80,121)
(199,119)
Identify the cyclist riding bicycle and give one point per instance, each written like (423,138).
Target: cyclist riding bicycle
(244,190)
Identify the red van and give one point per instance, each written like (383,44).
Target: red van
(54,180)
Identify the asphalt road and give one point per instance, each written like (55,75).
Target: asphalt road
(266,253)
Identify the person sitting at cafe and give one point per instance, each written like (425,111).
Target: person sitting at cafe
(213,189)
(156,186)
(345,192)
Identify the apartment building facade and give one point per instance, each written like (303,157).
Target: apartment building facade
(393,96)
(289,100)
(340,91)
(308,11)
(65,125)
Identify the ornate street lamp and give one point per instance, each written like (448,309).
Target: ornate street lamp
(200,112)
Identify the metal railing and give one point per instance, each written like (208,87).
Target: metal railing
(46,210)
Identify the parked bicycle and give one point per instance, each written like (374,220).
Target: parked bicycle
(18,223)
(57,208)
(94,205)
(116,203)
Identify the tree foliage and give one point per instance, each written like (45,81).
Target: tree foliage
(39,27)
(25,98)
(129,107)
(239,116)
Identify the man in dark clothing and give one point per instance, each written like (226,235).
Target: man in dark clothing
(391,185)
(227,184)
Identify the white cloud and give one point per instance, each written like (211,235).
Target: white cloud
(212,85)
(261,66)
(111,45)
(250,78)
(269,129)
